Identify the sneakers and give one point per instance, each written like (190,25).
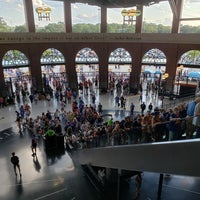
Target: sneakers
(34,154)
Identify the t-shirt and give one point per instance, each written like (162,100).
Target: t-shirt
(15,160)
(190,108)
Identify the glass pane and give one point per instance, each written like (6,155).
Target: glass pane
(52,56)
(154,24)
(85,18)
(190,58)
(191,9)
(190,26)
(154,56)
(14,58)
(120,56)
(49,16)
(87,55)
(12,18)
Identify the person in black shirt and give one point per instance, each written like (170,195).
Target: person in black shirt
(143,107)
(34,143)
(15,161)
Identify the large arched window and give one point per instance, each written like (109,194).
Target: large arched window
(87,66)
(14,58)
(52,56)
(187,71)
(119,68)
(191,57)
(154,56)
(53,68)
(153,63)
(153,68)
(16,71)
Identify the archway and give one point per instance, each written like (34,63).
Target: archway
(16,72)
(153,68)
(119,68)
(53,69)
(87,67)
(187,79)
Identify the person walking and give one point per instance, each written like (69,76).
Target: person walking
(132,107)
(138,183)
(48,98)
(34,142)
(150,107)
(15,161)
(143,107)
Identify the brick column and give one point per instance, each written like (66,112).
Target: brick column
(30,23)
(68,17)
(103,19)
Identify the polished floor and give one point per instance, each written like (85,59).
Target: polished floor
(59,176)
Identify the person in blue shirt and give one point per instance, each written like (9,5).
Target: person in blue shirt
(196,118)
(190,128)
(174,125)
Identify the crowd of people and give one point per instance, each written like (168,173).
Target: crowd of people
(86,125)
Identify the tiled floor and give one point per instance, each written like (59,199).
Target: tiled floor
(59,176)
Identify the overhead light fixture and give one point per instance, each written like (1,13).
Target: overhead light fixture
(43,13)
(129,15)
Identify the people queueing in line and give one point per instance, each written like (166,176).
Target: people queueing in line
(149,126)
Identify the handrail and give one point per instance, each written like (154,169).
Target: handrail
(175,157)
(106,139)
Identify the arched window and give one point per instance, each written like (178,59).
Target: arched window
(191,57)
(86,55)
(87,65)
(14,58)
(52,56)
(120,56)
(154,56)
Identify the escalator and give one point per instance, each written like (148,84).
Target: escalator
(174,157)
(122,162)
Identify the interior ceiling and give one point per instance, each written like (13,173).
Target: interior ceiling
(115,3)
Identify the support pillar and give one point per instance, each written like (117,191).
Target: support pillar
(68,17)
(35,69)
(71,73)
(103,72)
(29,16)
(176,19)
(3,89)
(135,74)
(103,19)
(138,25)
(118,183)
(160,187)
(171,66)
